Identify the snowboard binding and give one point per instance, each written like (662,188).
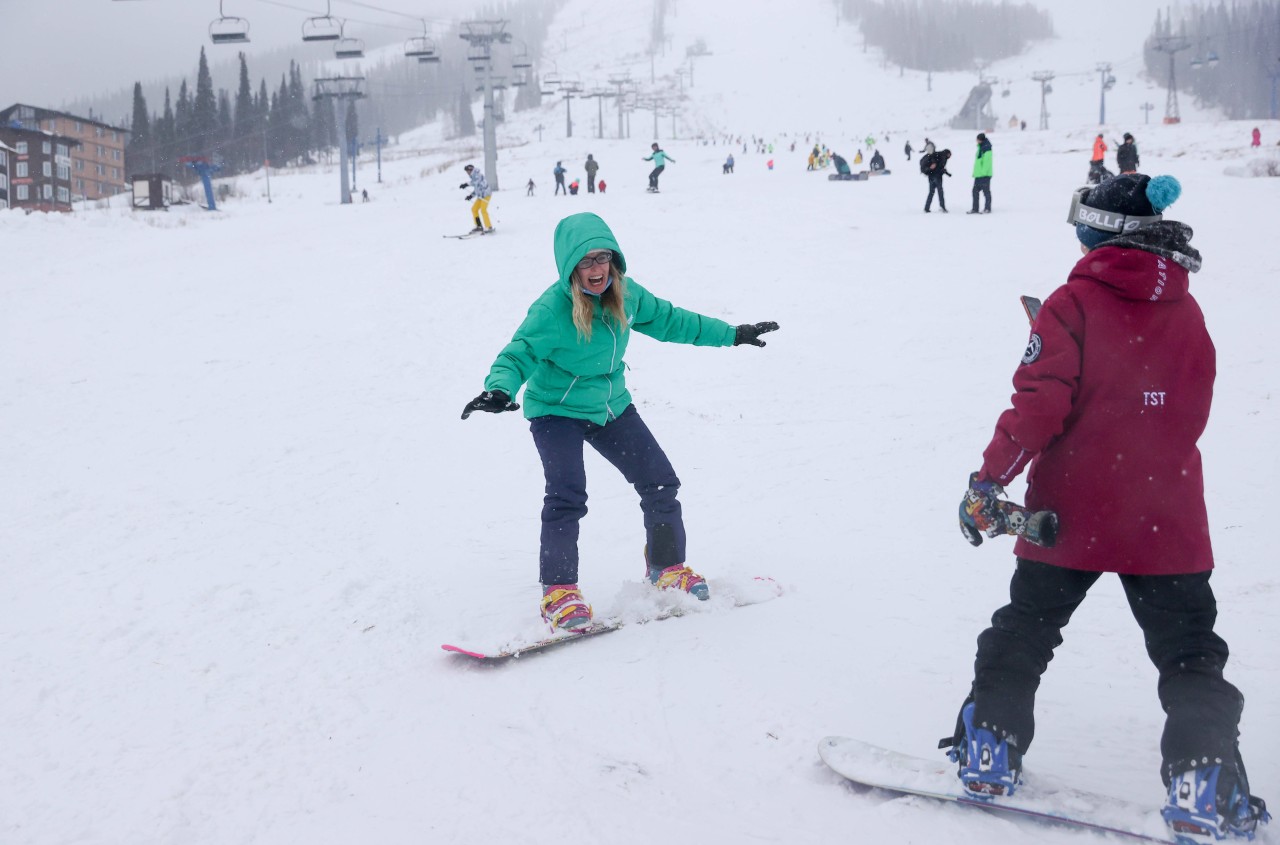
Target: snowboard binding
(988,767)
(1211,804)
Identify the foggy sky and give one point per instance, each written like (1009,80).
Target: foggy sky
(55,51)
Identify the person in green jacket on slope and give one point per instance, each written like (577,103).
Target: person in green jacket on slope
(659,159)
(568,354)
(982,174)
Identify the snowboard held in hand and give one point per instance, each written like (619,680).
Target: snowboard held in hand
(1038,799)
(653,606)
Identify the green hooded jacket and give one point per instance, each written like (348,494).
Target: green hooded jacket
(982,161)
(570,376)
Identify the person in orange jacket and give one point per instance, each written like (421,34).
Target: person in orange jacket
(1097,166)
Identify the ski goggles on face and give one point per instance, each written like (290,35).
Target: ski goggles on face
(1108,221)
(591,260)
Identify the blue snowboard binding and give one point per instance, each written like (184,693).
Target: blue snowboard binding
(1207,805)
(988,766)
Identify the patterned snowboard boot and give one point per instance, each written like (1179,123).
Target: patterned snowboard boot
(563,608)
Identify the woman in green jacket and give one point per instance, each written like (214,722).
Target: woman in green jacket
(568,354)
(982,174)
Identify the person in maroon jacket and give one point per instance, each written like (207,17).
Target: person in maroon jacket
(1111,396)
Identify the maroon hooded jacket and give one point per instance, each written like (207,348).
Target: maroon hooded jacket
(1112,394)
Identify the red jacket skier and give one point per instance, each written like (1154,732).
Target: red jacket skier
(1112,394)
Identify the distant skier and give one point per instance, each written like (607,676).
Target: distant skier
(907,150)
(528,192)
(728,164)
(928,147)
(659,159)
(480,194)
(1109,428)
(559,174)
(1127,155)
(857,157)
(587,318)
(1257,137)
(870,141)
(1097,162)
(934,166)
(982,174)
(591,167)
(877,161)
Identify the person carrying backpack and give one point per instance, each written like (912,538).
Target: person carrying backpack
(934,166)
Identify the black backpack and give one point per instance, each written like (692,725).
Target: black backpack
(925,161)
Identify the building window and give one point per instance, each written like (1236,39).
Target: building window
(64,195)
(115,154)
(101,170)
(4,157)
(62,149)
(46,148)
(101,154)
(21,171)
(48,192)
(64,172)
(22,192)
(79,164)
(80,185)
(47,168)
(115,136)
(98,131)
(115,173)
(4,182)
(79,127)
(22,148)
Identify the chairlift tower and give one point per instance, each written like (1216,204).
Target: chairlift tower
(344,89)
(619,80)
(569,88)
(481,36)
(1172,44)
(1044,77)
(1146,109)
(1106,82)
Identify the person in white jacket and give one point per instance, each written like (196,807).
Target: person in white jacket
(480,193)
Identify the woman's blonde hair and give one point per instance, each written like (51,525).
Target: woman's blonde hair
(612,301)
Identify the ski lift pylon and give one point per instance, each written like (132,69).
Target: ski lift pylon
(322,28)
(228,29)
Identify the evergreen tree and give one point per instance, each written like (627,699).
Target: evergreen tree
(465,119)
(223,134)
(184,127)
(140,129)
(164,129)
(204,111)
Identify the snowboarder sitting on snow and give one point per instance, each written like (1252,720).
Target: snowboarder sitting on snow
(1109,428)
(480,193)
(602,186)
(569,350)
(877,161)
(573,187)
(842,166)
(659,159)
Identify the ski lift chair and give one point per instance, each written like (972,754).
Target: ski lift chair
(322,28)
(520,58)
(228,29)
(348,47)
(420,47)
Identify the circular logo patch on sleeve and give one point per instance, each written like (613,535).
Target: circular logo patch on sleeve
(1033,350)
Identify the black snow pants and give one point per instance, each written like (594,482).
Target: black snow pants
(981,185)
(653,177)
(1176,614)
(935,184)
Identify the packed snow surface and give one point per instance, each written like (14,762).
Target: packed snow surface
(241,514)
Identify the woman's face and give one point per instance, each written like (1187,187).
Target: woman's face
(595,277)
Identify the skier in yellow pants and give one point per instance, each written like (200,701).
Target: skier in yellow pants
(480,193)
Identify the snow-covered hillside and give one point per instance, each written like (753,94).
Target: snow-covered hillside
(240,513)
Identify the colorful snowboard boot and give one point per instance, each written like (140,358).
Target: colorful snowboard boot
(680,577)
(988,767)
(1209,804)
(563,607)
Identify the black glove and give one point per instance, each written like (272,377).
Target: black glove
(465,185)
(750,334)
(492,402)
(470,196)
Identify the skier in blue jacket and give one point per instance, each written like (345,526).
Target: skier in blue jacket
(659,159)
